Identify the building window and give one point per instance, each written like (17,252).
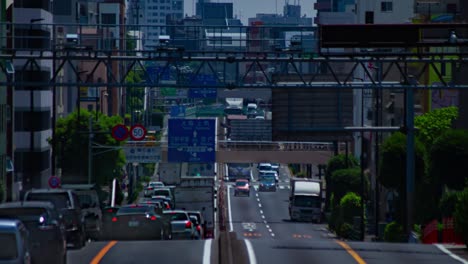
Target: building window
(36,121)
(109,19)
(386,6)
(35,161)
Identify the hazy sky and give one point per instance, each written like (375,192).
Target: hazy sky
(245,9)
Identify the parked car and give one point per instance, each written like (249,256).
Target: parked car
(67,202)
(138,221)
(182,226)
(47,233)
(90,207)
(14,238)
(242,187)
(200,226)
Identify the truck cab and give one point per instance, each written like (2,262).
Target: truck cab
(305,200)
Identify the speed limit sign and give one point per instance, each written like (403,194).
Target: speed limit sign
(138,132)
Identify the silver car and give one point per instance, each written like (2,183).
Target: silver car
(182,225)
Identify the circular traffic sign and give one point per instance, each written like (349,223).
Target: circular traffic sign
(54,182)
(120,132)
(138,132)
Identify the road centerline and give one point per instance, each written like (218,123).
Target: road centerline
(350,251)
(103,252)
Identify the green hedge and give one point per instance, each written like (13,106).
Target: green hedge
(447,204)
(394,232)
(461,215)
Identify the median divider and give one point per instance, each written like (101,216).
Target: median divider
(231,250)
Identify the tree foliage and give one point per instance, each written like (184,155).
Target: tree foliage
(347,180)
(392,164)
(432,124)
(448,159)
(72,137)
(337,162)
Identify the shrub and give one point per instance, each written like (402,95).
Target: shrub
(461,215)
(350,206)
(347,180)
(333,221)
(346,230)
(447,204)
(394,232)
(337,162)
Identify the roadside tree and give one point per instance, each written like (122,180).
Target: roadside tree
(72,139)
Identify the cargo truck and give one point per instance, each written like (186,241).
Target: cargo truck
(197,194)
(305,200)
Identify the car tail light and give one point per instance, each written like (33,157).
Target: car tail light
(198,228)
(167,206)
(149,188)
(153,218)
(110,210)
(188,224)
(114,219)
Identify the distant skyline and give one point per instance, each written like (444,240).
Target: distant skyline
(245,9)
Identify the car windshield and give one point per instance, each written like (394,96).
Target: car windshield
(9,250)
(197,216)
(156,184)
(60,200)
(22,213)
(267,178)
(162,192)
(241,183)
(133,210)
(177,216)
(307,201)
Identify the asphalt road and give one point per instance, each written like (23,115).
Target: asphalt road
(262,227)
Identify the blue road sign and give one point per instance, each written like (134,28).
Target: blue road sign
(208,82)
(157,71)
(191,140)
(178,111)
(54,182)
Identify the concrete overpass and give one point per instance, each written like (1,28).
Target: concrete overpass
(281,152)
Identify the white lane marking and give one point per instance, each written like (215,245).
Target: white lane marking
(261,211)
(251,176)
(264,221)
(259,205)
(256,194)
(446,251)
(231,228)
(207,252)
(272,234)
(269,229)
(250,252)
(281,187)
(267,226)
(263,216)
(258,199)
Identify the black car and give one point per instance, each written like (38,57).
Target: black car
(108,214)
(67,202)
(138,221)
(47,232)
(90,207)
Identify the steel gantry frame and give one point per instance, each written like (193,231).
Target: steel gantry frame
(173,59)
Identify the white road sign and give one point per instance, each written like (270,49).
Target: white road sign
(142,154)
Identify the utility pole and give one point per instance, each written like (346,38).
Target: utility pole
(90,151)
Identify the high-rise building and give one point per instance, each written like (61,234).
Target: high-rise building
(150,18)
(3,109)
(32,105)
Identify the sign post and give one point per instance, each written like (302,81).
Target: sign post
(54,182)
(138,132)
(120,132)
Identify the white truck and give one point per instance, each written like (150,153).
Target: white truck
(197,194)
(169,173)
(305,200)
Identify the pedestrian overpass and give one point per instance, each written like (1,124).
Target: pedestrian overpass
(280,152)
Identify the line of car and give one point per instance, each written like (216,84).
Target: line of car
(268,179)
